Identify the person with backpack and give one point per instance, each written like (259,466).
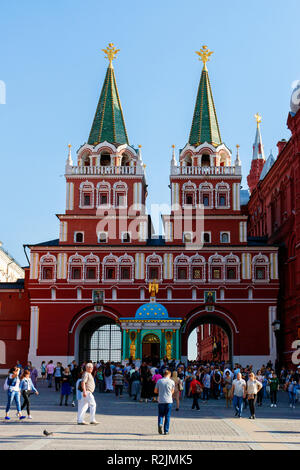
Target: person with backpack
(195,390)
(27,388)
(12,386)
(135,380)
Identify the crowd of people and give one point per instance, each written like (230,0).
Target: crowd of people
(239,386)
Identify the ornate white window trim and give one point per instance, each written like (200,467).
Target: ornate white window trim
(103,188)
(233,261)
(75,261)
(86,187)
(189,188)
(182,261)
(110,261)
(222,188)
(206,188)
(154,260)
(91,261)
(216,261)
(261,261)
(198,261)
(75,234)
(221,235)
(120,188)
(48,261)
(126,261)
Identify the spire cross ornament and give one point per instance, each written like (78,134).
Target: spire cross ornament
(110,52)
(258,119)
(204,55)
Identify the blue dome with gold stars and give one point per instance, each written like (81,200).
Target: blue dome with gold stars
(151,311)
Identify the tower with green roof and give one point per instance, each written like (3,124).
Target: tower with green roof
(109,124)
(205,126)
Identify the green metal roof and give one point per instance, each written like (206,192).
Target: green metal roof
(109,124)
(205,127)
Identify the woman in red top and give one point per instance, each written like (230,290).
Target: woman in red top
(195,390)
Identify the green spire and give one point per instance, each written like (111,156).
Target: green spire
(205,127)
(109,121)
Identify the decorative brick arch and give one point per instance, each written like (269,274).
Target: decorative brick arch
(220,317)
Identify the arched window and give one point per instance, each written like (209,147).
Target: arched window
(206,195)
(232,267)
(205,160)
(48,268)
(78,237)
(86,160)
(91,268)
(260,268)
(126,264)
(120,194)
(225,237)
(216,268)
(189,194)
(110,268)
(222,191)
(86,196)
(153,268)
(103,194)
(126,160)
(105,159)
(197,267)
(182,268)
(75,268)
(187,161)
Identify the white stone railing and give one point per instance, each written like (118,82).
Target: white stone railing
(105,170)
(206,170)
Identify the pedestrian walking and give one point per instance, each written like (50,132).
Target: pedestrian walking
(227,383)
(34,375)
(12,386)
(43,370)
(108,378)
(50,371)
(260,377)
(66,386)
(135,380)
(274,387)
(86,399)
(165,388)
(27,388)
(195,391)
(178,388)
(58,372)
(253,387)
(238,392)
(118,381)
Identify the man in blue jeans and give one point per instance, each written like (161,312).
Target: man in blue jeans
(164,388)
(238,392)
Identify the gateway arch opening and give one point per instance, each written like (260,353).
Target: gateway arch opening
(100,339)
(210,340)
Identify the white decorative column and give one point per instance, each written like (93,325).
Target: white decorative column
(34,334)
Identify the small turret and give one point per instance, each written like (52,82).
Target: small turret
(69,162)
(258,158)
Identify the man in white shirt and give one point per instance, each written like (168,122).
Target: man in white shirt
(165,388)
(87,400)
(238,392)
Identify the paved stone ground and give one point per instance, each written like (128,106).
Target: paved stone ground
(127,425)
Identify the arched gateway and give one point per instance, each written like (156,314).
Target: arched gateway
(218,318)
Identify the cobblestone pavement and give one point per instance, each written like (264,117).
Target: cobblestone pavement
(127,425)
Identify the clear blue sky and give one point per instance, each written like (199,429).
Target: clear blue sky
(53,67)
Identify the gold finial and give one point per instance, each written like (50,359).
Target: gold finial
(204,55)
(139,146)
(69,145)
(173,146)
(237,147)
(110,52)
(258,119)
